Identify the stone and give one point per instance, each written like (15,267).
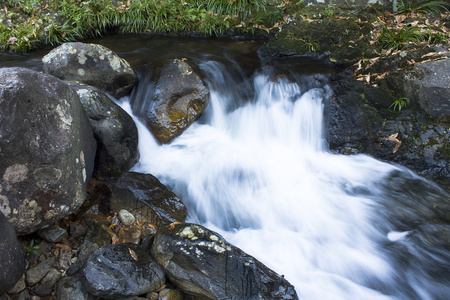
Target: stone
(170,294)
(45,288)
(126,217)
(178,97)
(53,234)
(97,236)
(130,234)
(147,199)
(114,130)
(71,288)
(427,85)
(91,64)
(121,270)
(24,295)
(192,255)
(47,147)
(20,286)
(12,259)
(36,273)
(77,229)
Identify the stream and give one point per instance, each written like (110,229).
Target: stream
(256,168)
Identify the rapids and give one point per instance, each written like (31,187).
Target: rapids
(256,168)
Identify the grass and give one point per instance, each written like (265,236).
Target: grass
(422,6)
(398,38)
(399,104)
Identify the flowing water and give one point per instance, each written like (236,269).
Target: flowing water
(256,168)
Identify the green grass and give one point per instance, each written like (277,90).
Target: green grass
(398,38)
(422,6)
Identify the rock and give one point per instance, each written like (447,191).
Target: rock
(130,234)
(170,294)
(77,229)
(178,97)
(71,288)
(12,260)
(426,85)
(91,64)
(147,199)
(24,295)
(53,234)
(114,130)
(46,286)
(97,236)
(47,149)
(126,217)
(20,286)
(201,262)
(35,274)
(122,270)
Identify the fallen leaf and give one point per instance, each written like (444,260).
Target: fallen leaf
(133,254)
(115,240)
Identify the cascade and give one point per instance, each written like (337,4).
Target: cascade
(256,168)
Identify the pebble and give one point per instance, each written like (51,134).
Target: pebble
(170,294)
(126,217)
(35,274)
(20,286)
(77,229)
(46,287)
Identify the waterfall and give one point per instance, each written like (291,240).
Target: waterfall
(256,168)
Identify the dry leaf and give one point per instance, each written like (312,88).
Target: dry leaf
(400,18)
(115,240)
(429,54)
(133,254)
(172,226)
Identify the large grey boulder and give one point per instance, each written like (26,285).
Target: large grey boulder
(147,199)
(47,149)
(178,96)
(200,262)
(12,259)
(122,270)
(91,64)
(114,130)
(426,85)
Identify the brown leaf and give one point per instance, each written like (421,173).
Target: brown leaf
(400,18)
(115,240)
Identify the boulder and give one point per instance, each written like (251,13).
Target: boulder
(426,85)
(176,99)
(200,262)
(47,149)
(12,259)
(91,64)
(122,270)
(114,130)
(144,196)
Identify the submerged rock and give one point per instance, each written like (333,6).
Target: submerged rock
(114,130)
(12,260)
(144,196)
(200,262)
(122,270)
(47,149)
(91,64)
(178,97)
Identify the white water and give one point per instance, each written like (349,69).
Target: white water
(259,173)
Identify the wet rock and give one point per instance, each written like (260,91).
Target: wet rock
(47,148)
(36,273)
(122,270)
(24,295)
(114,130)
(91,64)
(126,217)
(12,260)
(192,256)
(178,97)
(147,199)
(71,288)
(45,288)
(98,236)
(53,234)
